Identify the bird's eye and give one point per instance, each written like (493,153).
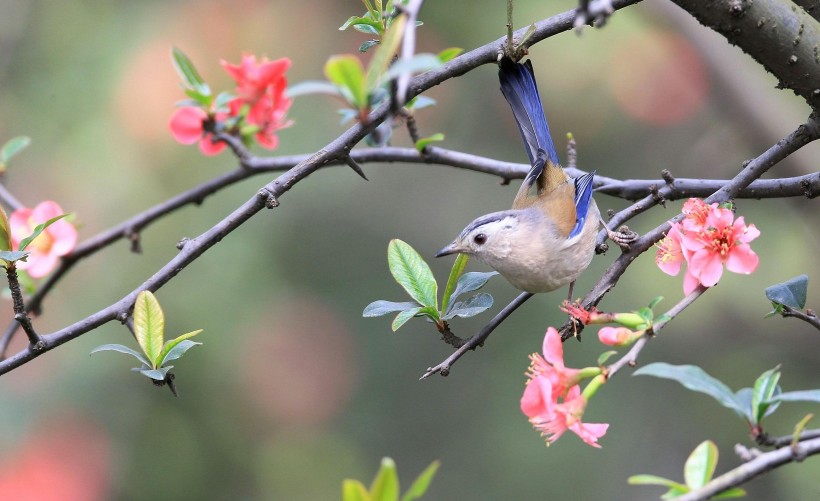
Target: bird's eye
(480,239)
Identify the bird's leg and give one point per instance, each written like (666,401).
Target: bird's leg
(571,287)
(623,237)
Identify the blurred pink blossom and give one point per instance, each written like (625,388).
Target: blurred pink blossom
(56,240)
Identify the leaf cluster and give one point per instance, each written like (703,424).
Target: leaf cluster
(385,486)
(413,273)
(149,329)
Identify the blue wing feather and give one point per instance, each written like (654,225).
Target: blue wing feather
(583,195)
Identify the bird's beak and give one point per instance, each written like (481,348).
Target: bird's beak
(453,248)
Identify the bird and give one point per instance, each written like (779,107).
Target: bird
(547,239)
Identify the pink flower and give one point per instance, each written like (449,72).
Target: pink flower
(618,336)
(696,211)
(552,399)
(262,87)
(188,126)
(551,365)
(706,239)
(567,416)
(253,79)
(724,240)
(56,240)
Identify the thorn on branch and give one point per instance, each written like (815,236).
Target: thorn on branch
(182,243)
(133,236)
(353,165)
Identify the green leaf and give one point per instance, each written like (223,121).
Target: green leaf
(385,486)
(5,231)
(403,317)
(122,349)
(177,351)
(700,465)
(367,45)
(312,87)
(646,314)
(470,308)
(416,64)
(791,293)
(12,147)
(382,307)
(186,70)
(364,24)
(12,256)
(384,53)
(157,374)
(798,396)
(420,102)
(412,273)
(471,281)
(425,141)
(655,302)
(606,356)
(449,53)
(172,343)
(353,490)
(149,326)
(675,489)
(222,100)
(455,272)
(201,96)
(347,72)
(37,230)
(421,483)
(734,492)
(696,379)
(764,389)
(430,312)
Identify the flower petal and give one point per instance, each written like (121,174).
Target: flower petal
(742,259)
(209,148)
(537,398)
(553,348)
(186,124)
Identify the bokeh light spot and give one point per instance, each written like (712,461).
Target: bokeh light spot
(658,77)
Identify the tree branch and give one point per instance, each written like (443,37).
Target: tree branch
(268,196)
(779,35)
(763,463)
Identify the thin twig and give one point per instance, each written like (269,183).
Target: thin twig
(787,440)
(477,339)
(809,316)
(631,356)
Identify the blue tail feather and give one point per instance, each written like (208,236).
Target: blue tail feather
(519,88)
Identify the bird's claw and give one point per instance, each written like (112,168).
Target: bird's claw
(623,237)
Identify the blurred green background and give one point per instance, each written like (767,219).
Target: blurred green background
(293,391)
